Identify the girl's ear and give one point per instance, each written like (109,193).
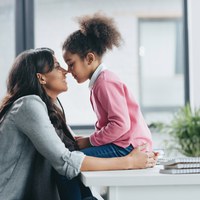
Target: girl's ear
(41,78)
(90,58)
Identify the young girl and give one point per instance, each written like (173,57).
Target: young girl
(120,126)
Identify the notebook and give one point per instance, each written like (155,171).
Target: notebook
(173,161)
(180,171)
(184,165)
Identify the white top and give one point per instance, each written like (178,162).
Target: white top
(95,75)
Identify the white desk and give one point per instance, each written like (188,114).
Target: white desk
(145,184)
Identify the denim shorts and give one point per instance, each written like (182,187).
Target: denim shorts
(107,151)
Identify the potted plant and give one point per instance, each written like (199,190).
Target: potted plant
(185,131)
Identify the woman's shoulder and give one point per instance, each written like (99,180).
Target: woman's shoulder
(28,102)
(29,99)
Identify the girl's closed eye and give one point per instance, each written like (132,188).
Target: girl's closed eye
(71,65)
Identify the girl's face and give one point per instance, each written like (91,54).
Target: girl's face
(81,69)
(54,82)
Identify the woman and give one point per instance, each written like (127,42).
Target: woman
(34,138)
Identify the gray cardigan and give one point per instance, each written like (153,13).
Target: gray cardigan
(28,139)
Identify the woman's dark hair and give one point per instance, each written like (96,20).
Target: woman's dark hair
(97,34)
(22,81)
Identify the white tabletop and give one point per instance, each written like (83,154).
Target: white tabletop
(140,177)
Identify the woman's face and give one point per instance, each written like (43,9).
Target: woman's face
(80,69)
(54,82)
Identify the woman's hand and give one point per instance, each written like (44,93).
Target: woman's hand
(83,142)
(134,160)
(139,159)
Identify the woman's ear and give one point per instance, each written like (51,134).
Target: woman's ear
(90,58)
(41,78)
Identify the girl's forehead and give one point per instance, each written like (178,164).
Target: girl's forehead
(71,56)
(67,54)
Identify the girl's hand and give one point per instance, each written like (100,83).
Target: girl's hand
(141,159)
(83,142)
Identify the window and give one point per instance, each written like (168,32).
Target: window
(161,67)
(7,41)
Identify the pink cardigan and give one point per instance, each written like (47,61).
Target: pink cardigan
(119,119)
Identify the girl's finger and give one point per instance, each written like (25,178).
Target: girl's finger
(142,147)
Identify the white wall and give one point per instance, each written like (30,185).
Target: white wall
(194,50)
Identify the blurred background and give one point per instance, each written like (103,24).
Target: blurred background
(158,61)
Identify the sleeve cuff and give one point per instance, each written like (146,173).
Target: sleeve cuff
(90,139)
(73,165)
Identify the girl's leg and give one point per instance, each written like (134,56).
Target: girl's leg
(107,151)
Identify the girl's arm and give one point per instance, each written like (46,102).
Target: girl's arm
(109,102)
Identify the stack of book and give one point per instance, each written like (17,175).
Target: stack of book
(184,165)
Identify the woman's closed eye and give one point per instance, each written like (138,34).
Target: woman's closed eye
(58,67)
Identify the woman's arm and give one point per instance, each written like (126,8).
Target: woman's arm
(135,160)
(31,119)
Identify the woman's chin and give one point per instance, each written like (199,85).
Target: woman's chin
(66,89)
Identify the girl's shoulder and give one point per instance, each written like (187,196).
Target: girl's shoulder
(107,77)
